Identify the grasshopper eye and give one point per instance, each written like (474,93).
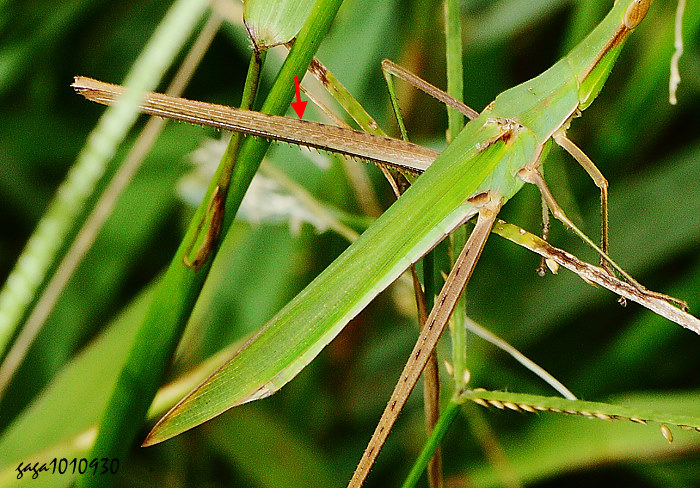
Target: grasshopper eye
(636,11)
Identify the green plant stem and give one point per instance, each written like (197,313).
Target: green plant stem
(455,88)
(104,207)
(207,224)
(453,58)
(42,250)
(178,291)
(424,301)
(278,100)
(229,159)
(443,424)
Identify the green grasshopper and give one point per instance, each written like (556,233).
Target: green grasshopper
(496,153)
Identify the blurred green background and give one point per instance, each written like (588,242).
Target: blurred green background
(313,432)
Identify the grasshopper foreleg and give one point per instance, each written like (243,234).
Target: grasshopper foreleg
(599,180)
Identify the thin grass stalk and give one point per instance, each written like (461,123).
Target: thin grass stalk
(449,414)
(455,88)
(178,291)
(153,348)
(41,252)
(103,209)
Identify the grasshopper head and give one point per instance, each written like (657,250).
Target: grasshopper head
(598,52)
(635,13)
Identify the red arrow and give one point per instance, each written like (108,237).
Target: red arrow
(298,106)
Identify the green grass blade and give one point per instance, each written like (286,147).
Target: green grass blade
(448,415)
(557,445)
(281,349)
(277,101)
(55,417)
(42,248)
(180,287)
(455,88)
(521,402)
(56,425)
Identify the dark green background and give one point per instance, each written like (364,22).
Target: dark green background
(312,433)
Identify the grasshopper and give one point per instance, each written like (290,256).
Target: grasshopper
(496,153)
